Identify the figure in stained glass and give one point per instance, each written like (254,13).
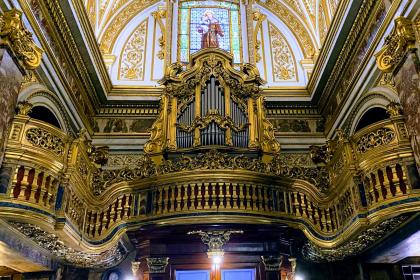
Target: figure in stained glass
(209,29)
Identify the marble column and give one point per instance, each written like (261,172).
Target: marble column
(18,53)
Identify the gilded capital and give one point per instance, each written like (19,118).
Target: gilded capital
(400,41)
(24,108)
(15,36)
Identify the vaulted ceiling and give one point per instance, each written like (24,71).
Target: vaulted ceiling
(288,36)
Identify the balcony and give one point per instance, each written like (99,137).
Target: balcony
(360,180)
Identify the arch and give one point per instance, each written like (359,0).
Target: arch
(375,97)
(44,114)
(371,116)
(39,95)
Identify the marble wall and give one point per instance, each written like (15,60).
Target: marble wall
(10,80)
(407,82)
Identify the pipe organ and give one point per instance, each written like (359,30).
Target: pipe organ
(211,105)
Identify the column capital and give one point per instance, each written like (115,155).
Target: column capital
(18,39)
(157,265)
(272,263)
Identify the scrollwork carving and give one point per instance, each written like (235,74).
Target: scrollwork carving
(401,39)
(213,159)
(212,116)
(381,136)
(19,39)
(46,140)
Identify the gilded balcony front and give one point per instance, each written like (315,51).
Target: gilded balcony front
(366,178)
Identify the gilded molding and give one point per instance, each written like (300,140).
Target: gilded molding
(398,43)
(14,35)
(159,16)
(259,18)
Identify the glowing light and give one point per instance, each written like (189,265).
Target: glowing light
(129,278)
(217,259)
(299,277)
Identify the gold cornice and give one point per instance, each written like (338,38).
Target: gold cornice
(398,43)
(18,39)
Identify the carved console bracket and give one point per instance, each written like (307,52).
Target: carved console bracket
(398,43)
(16,37)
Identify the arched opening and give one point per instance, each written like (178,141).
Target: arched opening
(371,116)
(44,114)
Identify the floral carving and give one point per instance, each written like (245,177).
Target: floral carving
(374,139)
(53,244)
(133,55)
(46,140)
(282,57)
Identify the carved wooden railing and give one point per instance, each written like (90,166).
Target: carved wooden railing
(367,175)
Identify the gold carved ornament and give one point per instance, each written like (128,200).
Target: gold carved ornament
(259,18)
(159,15)
(213,116)
(398,43)
(19,39)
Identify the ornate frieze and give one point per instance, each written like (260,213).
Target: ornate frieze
(15,36)
(44,139)
(214,160)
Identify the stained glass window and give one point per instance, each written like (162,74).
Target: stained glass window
(209,24)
